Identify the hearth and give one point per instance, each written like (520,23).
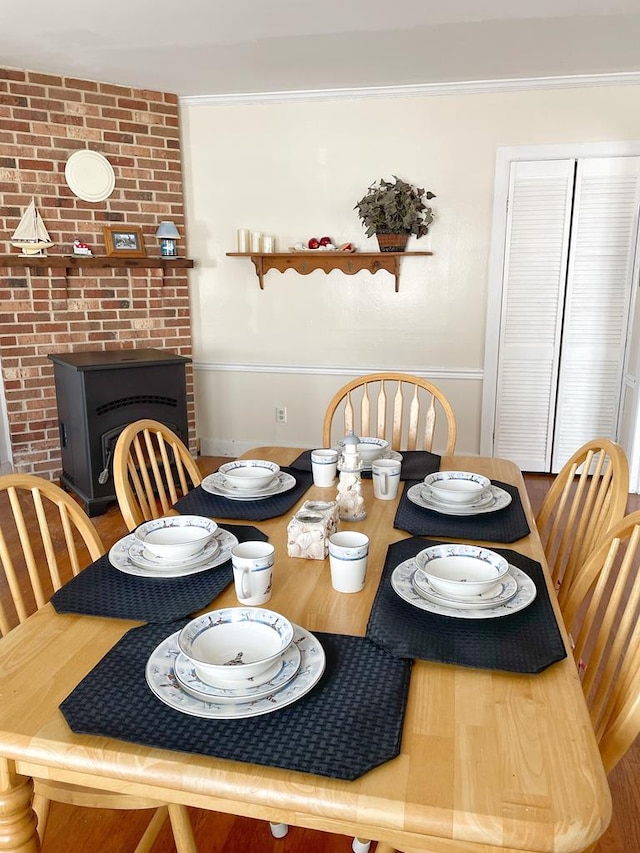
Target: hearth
(98,394)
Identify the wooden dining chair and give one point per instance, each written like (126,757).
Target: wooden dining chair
(602,615)
(398,407)
(585,500)
(152,468)
(46,539)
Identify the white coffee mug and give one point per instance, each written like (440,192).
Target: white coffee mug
(348,553)
(253,571)
(324,465)
(385,474)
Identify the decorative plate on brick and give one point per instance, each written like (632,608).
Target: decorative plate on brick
(90,175)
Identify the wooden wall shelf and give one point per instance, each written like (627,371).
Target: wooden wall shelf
(74,262)
(347,262)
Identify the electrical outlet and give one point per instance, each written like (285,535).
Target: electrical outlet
(281,415)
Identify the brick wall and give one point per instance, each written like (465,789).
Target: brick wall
(43,120)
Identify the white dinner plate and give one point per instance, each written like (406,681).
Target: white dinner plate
(502,592)
(161,678)
(402,584)
(120,559)
(216,484)
(500,499)
(89,175)
(145,559)
(484,499)
(284,670)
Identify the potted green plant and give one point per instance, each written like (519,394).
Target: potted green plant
(392,210)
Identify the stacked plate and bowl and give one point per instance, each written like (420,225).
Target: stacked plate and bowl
(370,449)
(248,480)
(458,493)
(173,546)
(461,580)
(235,662)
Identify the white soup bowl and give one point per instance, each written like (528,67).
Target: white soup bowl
(249,474)
(176,537)
(459,487)
(462,571)
(235,643)
(370,448)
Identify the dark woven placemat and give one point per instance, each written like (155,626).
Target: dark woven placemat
(102,590)
(349,723)
(416,464)
(199,502)
(505,525)
(527,641)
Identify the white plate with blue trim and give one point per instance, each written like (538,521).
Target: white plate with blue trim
(284,669)
(217,484)
(494,500)
(162,681)
(403,585)
(120,559)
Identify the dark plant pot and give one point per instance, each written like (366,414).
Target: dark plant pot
(392,242)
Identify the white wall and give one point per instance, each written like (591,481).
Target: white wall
(296,170)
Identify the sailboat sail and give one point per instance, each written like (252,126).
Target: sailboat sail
(31,235)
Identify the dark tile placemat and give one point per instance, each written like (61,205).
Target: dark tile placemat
(199,502)
(335,730)
(416,464)
(102,590)
(505,525)
(527,641)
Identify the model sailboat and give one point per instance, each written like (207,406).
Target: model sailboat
(31,236)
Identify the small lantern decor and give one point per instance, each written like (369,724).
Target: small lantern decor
(168,234)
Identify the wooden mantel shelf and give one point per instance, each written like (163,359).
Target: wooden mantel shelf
(70,262)
(347,262)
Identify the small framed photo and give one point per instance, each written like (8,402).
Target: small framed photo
(125,240)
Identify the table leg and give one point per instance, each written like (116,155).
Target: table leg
(17,818)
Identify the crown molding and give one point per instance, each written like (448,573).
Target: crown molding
(472,87)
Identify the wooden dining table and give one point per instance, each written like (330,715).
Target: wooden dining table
(489,760)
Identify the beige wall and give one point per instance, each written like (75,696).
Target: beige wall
(295,170)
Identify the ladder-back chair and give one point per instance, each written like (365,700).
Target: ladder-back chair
(398,407)
(585,500)
(152,468)
(46,539)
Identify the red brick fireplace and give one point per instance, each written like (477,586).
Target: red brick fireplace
(43,120)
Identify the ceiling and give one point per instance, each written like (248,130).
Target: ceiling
(209,47)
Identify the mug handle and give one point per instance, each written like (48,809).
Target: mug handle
(384,488)
(246,592)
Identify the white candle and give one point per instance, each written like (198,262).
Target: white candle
(256,241)
(268,244)
(243,239)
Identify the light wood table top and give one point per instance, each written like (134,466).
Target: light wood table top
(490,761)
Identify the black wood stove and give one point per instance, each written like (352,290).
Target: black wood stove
(98,395)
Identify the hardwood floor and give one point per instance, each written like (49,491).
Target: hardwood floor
(75,830)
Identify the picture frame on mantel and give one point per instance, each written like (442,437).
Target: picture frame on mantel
(126,241)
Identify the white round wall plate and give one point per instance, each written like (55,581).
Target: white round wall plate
(90,175)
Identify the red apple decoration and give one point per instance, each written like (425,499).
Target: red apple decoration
(313,243)
(324,241)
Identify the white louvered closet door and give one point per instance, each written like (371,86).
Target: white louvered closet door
(598,295)
(537,242)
